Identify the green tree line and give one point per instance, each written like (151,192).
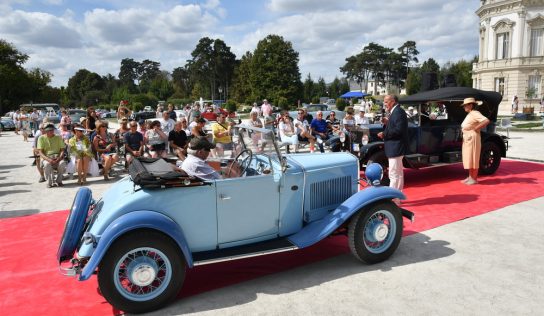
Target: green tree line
(213,72)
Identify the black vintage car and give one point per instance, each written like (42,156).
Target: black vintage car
(434,127)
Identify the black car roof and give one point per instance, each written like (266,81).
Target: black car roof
(455,95)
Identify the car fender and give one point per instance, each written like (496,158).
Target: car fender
(131,221)
(369,149)
(316,231)
(487,137)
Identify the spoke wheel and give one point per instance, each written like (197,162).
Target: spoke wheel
(141,272)
(374,233)
(490,158)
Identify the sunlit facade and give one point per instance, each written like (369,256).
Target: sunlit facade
(511,50)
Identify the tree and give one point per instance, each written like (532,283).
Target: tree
(274,70)
(334,89)
(321,88)
(83,82)
(12,76)
(308,92)
(147,71)
(413,81)
(462,70)
(212,66)
(181,81)
(128,73)
(241,84)
(161,87)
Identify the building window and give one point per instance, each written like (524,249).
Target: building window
(499,85)
(503,44)
(536,42)
(534,84)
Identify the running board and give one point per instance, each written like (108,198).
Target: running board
(241,252)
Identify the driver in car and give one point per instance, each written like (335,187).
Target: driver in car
(195,164)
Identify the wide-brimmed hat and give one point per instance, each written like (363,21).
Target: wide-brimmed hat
(471,101)
(82,119)
(201,142)
(79,128)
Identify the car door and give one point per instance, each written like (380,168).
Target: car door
(247,209)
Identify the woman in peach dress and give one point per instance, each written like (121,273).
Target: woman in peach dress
(472,143)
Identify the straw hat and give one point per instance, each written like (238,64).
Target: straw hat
(471,101)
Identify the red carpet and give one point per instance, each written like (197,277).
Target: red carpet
(33,286)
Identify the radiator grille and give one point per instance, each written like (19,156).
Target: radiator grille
(330,192)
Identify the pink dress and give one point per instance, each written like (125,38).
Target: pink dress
(472,143)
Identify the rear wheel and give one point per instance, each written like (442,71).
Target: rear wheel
(379,157)
(141,272)
(374,233)
(490,158)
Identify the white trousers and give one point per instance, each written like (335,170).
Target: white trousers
(396,173)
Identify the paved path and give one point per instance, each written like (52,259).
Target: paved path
(21,194)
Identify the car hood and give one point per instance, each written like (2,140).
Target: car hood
(308,162)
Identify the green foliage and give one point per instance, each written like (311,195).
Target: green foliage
(242,85)
(230,105)
(462,70)
(81,83)
(274,71)
(18,85)
(143,100)
(283,103)
(413,81)
(161,87)
(341,104)
(212,66)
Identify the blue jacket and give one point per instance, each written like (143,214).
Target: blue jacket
(395,134)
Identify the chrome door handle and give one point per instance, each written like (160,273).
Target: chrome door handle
(224,197)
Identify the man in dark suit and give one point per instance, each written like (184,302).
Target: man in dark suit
(395,136)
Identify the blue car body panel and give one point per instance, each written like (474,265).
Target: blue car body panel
(316,231)
(74,224)
(132,221)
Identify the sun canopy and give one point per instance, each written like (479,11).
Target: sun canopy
(353,94)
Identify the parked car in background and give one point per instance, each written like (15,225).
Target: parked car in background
(148,228)
(435,137)
(49,110)
(109,114)
(144,115)
(7,123)
(75,115)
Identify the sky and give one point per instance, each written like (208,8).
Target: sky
(63,36)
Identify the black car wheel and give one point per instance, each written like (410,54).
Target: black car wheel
(141,272)
(374,233)
(379,157)
(490,158)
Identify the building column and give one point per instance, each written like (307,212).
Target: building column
(521,34)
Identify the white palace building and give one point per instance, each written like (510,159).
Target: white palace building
(511,51)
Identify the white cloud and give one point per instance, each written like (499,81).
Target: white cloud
(324,32)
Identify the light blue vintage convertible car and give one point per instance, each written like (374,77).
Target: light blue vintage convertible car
(142,235)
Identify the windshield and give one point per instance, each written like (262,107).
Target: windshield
(258,140)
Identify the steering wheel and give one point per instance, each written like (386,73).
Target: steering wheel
(244,161)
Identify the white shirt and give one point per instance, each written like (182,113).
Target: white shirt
(361,120)
(197,167)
